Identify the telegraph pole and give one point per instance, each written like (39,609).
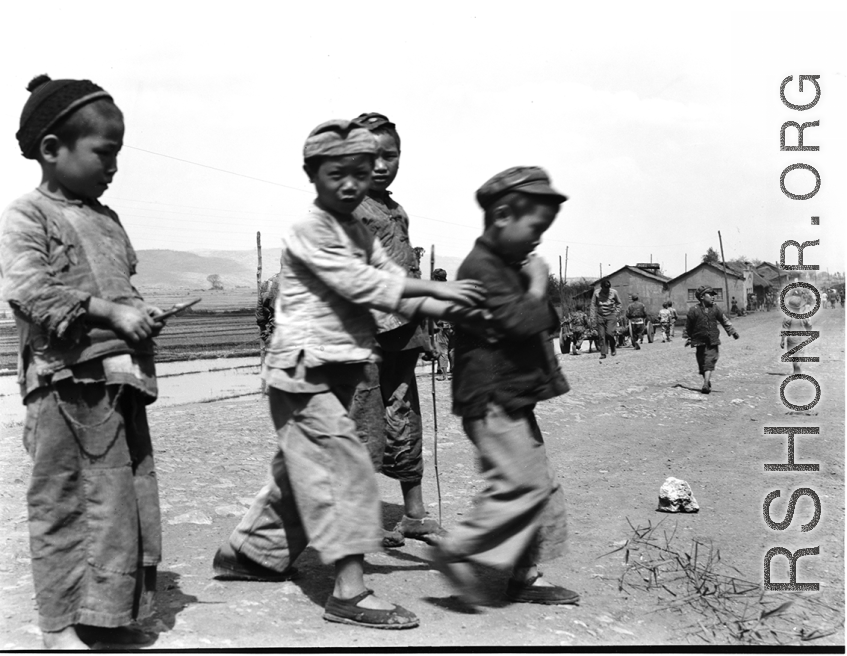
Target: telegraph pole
(725,278)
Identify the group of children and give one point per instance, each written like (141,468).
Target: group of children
(339,368)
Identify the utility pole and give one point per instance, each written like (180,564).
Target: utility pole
(686,263)
(725,278)
(561,287)
(601,269)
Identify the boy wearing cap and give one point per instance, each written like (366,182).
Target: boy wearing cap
(386,406)
(86,373)
(518,521)
(701,332)
(323,491)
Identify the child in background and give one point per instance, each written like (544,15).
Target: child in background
(519,519)
(86,374)
(665,322)
(386,406)
(674,318)
(443,339)
(701,332)
(798,304)
(323,491)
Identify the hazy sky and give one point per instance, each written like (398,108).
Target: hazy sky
(659,120)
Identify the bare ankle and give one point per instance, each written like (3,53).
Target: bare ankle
(65,639)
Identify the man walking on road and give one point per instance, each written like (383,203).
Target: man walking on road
(605,306)
(636,313)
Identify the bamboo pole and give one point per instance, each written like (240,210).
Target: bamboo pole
(432,380)
(561,288)
(259,301)
(725,278)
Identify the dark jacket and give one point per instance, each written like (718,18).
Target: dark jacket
(519,369)
(701,325)
(636,310)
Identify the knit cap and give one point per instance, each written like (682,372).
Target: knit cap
(337,138)
(48,103)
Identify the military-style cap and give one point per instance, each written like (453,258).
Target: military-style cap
(703,289)
(525,179)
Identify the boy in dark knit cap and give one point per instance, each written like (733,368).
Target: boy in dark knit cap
(323,491)
(86,374)
(518,521)
(386,407)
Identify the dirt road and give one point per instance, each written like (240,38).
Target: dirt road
(629,423)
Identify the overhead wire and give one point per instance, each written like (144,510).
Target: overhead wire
(301,190)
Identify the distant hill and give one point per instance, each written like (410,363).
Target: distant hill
(184,270)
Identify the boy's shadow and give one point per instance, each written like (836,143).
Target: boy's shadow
(170,602)
(693,389)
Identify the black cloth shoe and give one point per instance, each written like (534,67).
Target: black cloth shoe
(231,565)
(348,611)
(527,593)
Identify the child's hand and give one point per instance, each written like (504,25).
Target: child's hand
(735,336)
(782,343)
(153,311)
(463,292)
(536,271)
(131,322)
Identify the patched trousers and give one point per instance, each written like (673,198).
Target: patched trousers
(93,501)
(323,490)
(387,411)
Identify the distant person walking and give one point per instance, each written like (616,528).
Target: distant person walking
(798,304)
(665,322)
(637,314)
(605,306)
(674,318)
(443,339)
(265,307)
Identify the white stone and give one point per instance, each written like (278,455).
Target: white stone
(675,496)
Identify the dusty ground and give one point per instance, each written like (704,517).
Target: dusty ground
(630,422)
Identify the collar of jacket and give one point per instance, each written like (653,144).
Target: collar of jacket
(486,242)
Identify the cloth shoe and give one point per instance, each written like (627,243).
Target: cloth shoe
(392,539)
(424,529)
(528,593)
(230,565)
(347,611)
(460,574)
